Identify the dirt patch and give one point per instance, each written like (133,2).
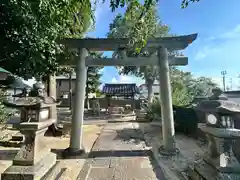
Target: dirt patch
(173,166)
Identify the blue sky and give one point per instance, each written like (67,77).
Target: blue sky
(216,21)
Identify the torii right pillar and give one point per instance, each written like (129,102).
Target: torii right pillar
(168,131)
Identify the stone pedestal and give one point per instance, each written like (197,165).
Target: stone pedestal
(96,107)
(141,115)
(221,160)
(34,159)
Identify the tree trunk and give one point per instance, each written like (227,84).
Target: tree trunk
(70,91)
(52,92)
(149,85)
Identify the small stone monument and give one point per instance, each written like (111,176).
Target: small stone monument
(34,159)
(141,113)
(221,161)
(96,107)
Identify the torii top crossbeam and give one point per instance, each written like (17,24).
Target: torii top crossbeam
(112,44)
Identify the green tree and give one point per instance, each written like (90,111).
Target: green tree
(29,30)
(122,26)
(185,3)
(185,87)
(180,96)
(201,87)
(93,77)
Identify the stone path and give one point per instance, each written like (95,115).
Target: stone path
(120,153)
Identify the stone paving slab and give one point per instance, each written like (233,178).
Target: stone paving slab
(133,169)
(120,153)
(101,174)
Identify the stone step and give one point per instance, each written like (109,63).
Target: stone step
(10,143)
(55,172)
(17,137)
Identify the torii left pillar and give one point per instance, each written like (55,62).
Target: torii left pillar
(76,148)
(168,131)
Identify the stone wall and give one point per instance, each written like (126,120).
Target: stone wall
(104,103)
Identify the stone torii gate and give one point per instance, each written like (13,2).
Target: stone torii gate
(160,45)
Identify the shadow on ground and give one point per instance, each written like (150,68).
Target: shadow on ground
(130,135)
(8,154)
(121,154)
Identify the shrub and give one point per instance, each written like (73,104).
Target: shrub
(153,110)
(185,119)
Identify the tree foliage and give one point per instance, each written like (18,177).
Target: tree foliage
(186,87)
(185,3)
(94,75)
(29,30)
(138,31)
(122,27)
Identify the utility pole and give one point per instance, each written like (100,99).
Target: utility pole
(223,78)
(239,82)
(231,83)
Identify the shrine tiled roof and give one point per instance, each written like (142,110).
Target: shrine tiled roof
(120,89)
(14,82)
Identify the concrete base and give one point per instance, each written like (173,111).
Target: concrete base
(34,172)
(162,151)
(204,171)
(231,168)
(73,153)
(54,131)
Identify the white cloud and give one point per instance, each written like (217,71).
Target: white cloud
(234,33)
(100,8)
(230,83)
(205,51)
(127,79)
(232,79)
(221,43)
(114,80)
(101,71)
(229,34)
(201,54)
(30,82)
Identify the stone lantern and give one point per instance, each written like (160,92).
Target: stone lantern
(34,159)
(221,161)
